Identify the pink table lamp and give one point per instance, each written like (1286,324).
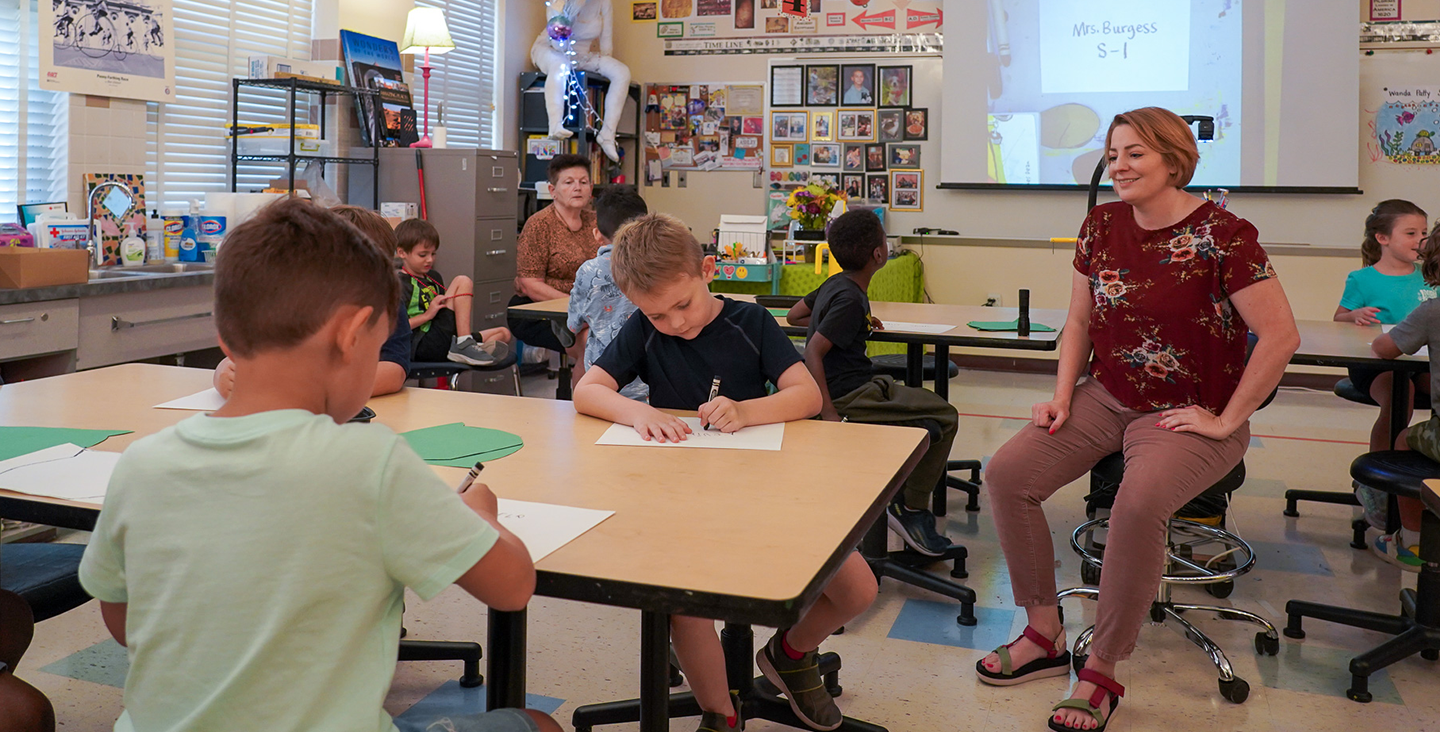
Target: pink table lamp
(425,30)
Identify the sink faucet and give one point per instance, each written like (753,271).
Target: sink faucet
(95,195)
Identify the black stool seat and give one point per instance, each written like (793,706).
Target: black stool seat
(1105,480)
(433,369)
(1345,389)
(46,576)
(1402,472)
(893,365)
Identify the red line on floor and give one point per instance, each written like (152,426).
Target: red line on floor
(1263,437)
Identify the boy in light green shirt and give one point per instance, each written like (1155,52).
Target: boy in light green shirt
(254,559)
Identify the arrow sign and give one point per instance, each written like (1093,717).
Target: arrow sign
(917,18)
(882,20)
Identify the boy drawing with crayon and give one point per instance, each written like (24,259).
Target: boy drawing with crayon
(686,343)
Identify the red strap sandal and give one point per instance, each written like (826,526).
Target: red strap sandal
(1055,663)
(1104,686)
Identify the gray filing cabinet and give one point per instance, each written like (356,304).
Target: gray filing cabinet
(470,196)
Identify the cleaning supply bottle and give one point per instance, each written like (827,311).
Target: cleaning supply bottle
(189,248)
(174,219)
(132,248)
(155,238)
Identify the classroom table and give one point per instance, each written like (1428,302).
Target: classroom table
(786,544)
(959,336)
(1346,345)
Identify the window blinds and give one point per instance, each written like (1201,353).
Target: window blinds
(463,80)
(35,137)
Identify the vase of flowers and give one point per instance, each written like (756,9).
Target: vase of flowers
(810,206)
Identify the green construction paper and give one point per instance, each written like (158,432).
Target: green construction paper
(456,443)
(778,312)
(1008,325)
(17,441)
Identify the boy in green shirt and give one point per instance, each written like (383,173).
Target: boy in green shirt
(254,559)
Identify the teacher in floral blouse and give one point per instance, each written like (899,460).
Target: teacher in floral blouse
(1152,364)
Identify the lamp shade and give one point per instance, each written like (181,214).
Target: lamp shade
(425,28)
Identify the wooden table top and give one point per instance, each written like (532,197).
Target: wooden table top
(907,312)
(1328,343)
(1431,495)
(762,527)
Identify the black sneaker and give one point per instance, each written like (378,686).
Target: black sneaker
(800,681)
(716,722)
(917,528)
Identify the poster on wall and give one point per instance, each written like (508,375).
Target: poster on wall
(1405,127)
(704,126)
(795,26)
(108,49)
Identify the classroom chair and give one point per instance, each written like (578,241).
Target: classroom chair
(1417,628)
(45,576)
(895,365)
(1345,389)
(445,374)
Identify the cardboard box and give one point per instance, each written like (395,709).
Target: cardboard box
(24,267)
(278,67)
(401,210)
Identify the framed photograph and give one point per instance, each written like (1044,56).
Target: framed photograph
(787,86)
(854,159)
(822,126)
(670,30)
(829,179)
(906,201)
(904,157)
(877,187)
(906,180)
(802,153)
(822,86)
(782,156)
(782,128)
(857,82)
(799,126)
(894,86)
(853,185)
(875,158)
(855,125)
(917,124)
(643,11)
(825,155)
(891,125)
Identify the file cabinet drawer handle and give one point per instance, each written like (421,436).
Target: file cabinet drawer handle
(494,316)
(498,190)
(495,252)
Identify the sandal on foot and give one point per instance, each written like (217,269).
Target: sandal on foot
(1055,663)
(1104,685)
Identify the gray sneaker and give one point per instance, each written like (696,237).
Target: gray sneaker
(497,349)
(800,682)
(466,350)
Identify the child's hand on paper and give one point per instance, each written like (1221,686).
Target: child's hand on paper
(481,500)
(724,414)
(875,323)
(661,427)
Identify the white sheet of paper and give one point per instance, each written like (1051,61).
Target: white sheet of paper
(1424,351)
(762,437)
(205,401)
(64,471)
(917,327)
(545,527)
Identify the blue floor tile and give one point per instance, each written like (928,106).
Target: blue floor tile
(1314,669)
(451,699)
(105,663)
(1279,556)
(927,621)
(1256,441)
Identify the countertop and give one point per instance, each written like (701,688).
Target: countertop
(144,283)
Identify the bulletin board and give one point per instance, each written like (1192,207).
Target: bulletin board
(715,126)
(691,27)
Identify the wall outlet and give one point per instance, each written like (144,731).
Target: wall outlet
(994,300)
(681,179)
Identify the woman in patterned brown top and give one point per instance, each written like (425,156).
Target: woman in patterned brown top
(1165,287)
(553,245)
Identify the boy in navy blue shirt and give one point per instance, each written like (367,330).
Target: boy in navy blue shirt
(679,341)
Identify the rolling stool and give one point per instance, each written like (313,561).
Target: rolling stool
(1417,627)
(45,576)
(445,373)
(894,366)
(1345,389)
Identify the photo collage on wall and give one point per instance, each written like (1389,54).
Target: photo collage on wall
(703,127)
(851,125)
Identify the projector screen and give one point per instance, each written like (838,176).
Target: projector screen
(1032,85)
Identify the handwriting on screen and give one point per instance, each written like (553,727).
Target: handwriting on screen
(1135,46)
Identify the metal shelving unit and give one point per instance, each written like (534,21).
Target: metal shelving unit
(535,121)
(292,160)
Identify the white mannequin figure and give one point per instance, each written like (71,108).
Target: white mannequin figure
(590,21)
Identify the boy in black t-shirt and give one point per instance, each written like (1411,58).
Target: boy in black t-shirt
(682,339)
(838,315)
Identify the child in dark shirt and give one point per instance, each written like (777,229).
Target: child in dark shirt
(439,315)
(839,320)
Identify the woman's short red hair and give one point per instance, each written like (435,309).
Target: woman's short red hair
(1165,133)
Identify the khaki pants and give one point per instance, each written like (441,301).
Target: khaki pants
(1163,471)
(882,401)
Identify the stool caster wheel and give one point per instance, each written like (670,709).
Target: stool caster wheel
(1089,573)
(1236,690)
(832,684)
(1078,661)
(470,682)
(1364,697)
(1293,630)
(958,570)
(1430,654)
(1265,645)
(1221,590)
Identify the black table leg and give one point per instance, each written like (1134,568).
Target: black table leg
(562,387)
(942,372)
(915,365)
(1399,406)
(506,663)
(654,672)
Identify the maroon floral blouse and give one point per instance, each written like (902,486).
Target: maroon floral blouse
(1164,333)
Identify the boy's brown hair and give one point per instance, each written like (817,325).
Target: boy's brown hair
(414,232)
(1430,257)
(372,225)
(653,250)
(282,274)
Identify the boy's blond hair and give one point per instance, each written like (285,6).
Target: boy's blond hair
(653,250)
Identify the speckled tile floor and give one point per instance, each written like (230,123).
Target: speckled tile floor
(908,666)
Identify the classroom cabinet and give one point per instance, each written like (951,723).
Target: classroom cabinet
(37,328)
(137,325)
